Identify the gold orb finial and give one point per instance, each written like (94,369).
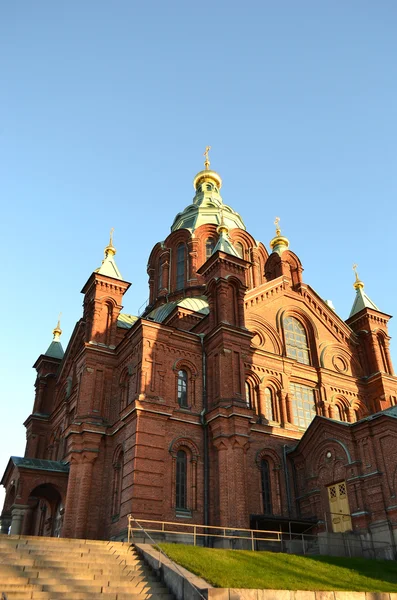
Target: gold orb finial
(110,249)
(207,160)
(358,284)
(57,331)
(279,243)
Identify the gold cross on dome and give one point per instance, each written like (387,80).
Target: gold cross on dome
(111,237)
(276,222)
(207,160)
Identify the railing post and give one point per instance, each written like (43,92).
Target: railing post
(252,540)
(303,544)
(194,535)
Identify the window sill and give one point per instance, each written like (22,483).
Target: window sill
(181,513)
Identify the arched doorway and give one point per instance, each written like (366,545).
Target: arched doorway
(45,513)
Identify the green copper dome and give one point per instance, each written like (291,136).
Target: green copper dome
(207,206)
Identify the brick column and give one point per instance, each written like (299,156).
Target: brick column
(17,515)
(71,500)
(83,503)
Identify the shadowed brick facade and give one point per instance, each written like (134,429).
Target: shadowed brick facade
(238,397)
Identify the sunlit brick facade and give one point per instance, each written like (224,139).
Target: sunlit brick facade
(194,411)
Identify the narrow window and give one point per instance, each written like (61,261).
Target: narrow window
(269,404)
(117,483)
(180,266)
(341,413)
(209,187)
(160,277)
(209,246)
(296,340)
(240,249)
(248,395)
(265,484)
(182,389)
(181,480)
(303,404)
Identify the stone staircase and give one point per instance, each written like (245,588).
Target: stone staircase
(61,568)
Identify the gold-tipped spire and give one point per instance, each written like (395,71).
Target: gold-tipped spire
(57,331)
(110,249)
(207,160)
(279,243)
(358,284)
(207,175)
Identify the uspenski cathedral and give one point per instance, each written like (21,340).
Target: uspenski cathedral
(237,398)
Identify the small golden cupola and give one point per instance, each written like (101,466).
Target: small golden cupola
(279,243)
(108,266)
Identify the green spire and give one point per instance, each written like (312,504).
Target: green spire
(361,300)
(224,244)
(55,349)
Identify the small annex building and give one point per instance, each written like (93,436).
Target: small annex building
(238,398)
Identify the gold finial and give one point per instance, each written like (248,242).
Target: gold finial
(222,227)
(357,284)
(110,249)
(57,331)
(276,222)
(207,160)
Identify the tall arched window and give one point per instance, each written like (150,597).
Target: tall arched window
(180,266)
(341,412)
(182,389)
(209,246)
(265,487)
(303,404)
(181,480)
(295,340)
(269,404)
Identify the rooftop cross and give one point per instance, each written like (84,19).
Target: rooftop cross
(276,222)
(207,160)
(358,283)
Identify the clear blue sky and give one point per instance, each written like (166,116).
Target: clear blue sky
(105,111)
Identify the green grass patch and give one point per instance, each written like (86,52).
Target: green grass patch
(276,571)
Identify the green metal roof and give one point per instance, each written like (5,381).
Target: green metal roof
(55,350)
(126,321)
(362,301)
(41,465)
(109,267)
(206,208)
(198,305)
(224,245)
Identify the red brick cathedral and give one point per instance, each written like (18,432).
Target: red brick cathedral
(238,398)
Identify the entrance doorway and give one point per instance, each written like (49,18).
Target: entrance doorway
(339,507)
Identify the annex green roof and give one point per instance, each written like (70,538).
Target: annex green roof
(126,321)
(40,464)
(225,245)
(198,305)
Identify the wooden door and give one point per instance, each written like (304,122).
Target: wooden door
(339,507)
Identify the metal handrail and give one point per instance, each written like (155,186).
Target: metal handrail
(254,535)
(130,519)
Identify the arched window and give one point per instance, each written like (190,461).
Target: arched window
(182,389)
(209,187)
(240,249)
(265,487)
(303,404)
(118,464)
(341,412)
(209,246)
(269,404)
(181,480)
(180,266)
(296,340)
(160,276)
